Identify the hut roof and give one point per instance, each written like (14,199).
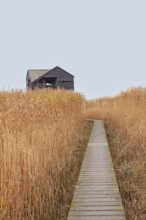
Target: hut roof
(34,74)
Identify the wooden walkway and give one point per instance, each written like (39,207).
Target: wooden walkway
(97,194)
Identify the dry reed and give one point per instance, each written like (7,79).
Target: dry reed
(41,143)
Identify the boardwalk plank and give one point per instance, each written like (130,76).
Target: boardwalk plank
(96,213)
(96,217)
(97,204)
(97,208)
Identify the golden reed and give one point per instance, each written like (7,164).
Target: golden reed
(40,140)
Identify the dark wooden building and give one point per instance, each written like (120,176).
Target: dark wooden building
(49,78)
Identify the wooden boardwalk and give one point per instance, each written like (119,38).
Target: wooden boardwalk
(97,194)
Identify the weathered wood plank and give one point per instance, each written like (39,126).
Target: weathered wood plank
(96,217)
(96,213)
(99,208)
(103,192)
(99,199)
(106,195)
(96,204)
(96,195)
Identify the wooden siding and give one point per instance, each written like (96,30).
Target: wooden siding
(61,74)
(66,85)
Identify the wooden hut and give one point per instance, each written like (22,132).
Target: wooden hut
(49,78)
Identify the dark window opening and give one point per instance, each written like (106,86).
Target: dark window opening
(66,81)
(28,83)
(49,82)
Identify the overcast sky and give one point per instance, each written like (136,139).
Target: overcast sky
(101,42)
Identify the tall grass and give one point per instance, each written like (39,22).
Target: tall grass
(41,140)
(125,118)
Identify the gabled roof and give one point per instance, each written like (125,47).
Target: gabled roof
(34,74)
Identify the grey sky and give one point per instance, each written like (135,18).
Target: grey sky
(102,43)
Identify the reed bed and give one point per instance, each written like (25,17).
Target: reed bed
(125,119)
(42,141)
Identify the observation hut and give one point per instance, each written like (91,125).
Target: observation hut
(49,78)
